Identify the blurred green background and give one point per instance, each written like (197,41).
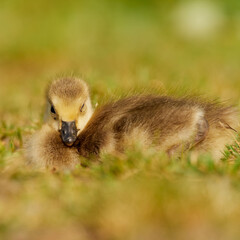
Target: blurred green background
(174,46)
(119,47)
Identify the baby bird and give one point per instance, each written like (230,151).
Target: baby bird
(169,124)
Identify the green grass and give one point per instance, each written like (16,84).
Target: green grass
(118,47)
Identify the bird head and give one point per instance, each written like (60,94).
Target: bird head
(68,107)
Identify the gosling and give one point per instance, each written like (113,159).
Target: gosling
(169,124)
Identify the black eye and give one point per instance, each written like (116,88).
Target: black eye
(53,110)
(82,108)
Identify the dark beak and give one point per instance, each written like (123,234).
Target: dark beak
(69,132)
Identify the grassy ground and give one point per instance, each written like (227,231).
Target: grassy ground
(118,47)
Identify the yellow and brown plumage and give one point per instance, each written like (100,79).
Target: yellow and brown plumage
(45,150)
(69,105)
(170,124)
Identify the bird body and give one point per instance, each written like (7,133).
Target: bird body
(170,124)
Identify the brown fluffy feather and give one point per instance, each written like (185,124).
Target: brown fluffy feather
(166,122)
(45,150)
